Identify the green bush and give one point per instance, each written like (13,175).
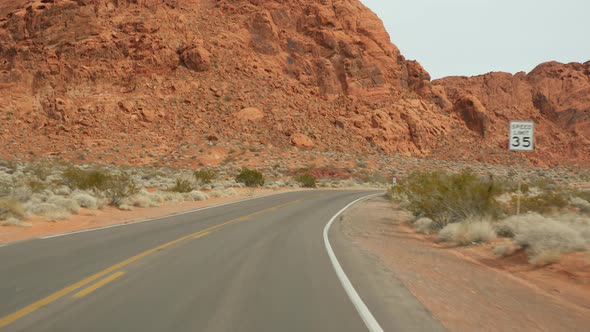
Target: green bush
(251,178)
(306,180)
(115,187)
(119,187)
(85,179)
(447,198)
(182,186)
(205,176)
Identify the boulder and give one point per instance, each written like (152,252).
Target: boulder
(302,141)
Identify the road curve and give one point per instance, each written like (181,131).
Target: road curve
(259,265)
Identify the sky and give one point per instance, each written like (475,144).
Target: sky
(473,37)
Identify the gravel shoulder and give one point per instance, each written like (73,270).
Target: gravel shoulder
(463,288)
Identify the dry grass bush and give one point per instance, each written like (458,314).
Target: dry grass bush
(543,203)
(223,193)
(468,232)
(11,208)
(503,250)
(40,171)
(142,201)
(580,203)
(447,198)
(85,200)
(424,225)
(544,237)
(546,257)
(198,195)
(14,222)
(68,204)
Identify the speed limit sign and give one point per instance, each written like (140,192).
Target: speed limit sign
(522,136)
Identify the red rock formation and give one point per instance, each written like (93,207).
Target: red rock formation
(556,96)
(135,81)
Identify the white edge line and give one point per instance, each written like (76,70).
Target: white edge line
(160,218)
(356,300)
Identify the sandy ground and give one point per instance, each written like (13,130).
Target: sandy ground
(467,288)
(88,219)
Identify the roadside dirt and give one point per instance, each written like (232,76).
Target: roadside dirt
(468,289)
(88,219)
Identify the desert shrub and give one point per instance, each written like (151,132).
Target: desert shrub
(447,198)
(205,176)
(198,195)
(22,193)
(251,178)
(51,211)
(468,232)
(223,193)
(543,183)
(124,207)
(36,185)
(583,194)
(86,179)
(424,225)
(85,200)
(545,236)
(504,250)
(14,222)
(40,170)
(119,187)
(171,196)
(68,204)
(115,187)
(182,186)
(542,203)
(581,204)
(306,180)
(11,208)
(546,257)
(10,165)
(63,191)
(142,201)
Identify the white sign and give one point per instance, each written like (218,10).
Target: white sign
(394,181)
(522,136)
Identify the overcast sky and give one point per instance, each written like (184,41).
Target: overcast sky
(472,37)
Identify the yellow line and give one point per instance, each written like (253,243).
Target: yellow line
(65,291)
(202,235)
(99,284)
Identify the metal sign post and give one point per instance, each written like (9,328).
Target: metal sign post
(522,138)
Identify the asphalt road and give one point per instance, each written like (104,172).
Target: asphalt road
(259,265)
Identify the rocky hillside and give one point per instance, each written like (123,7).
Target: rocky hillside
(556,96)
(146,81)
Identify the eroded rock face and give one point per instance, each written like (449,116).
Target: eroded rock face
(554,95)
(102,75)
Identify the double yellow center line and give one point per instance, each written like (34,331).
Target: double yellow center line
(88,280)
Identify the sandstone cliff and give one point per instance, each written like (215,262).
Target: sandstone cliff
(136,81)
(556,96)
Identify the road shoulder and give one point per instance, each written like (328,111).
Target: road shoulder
(392,304)
(461,294)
